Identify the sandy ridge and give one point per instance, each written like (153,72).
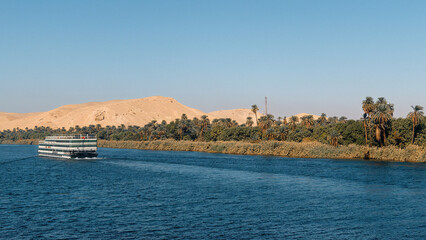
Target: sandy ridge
(115,112)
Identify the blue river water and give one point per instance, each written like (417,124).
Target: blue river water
(135,194)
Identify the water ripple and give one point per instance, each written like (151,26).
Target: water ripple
(132,194)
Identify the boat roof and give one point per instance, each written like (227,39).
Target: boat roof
(81,136)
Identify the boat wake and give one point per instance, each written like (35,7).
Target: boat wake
(88,158)
(16,160)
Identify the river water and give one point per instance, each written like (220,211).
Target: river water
(135,194)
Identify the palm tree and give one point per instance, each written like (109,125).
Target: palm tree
(308,121)
(334,138)
(343,119)
(293,121)
(229,122)
(333,119)
(283,131)
(368,107)
(270,133)
(322,119)
(254,109)
(204,124)
(249,121)
(264,123)
(181,128)
(270,118)
(381,116)
(415,118)
(381,100)
(161,132)
(285,120)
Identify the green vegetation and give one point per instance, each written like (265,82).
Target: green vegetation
(411,153)
(376,129)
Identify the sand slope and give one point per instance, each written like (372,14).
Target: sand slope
(116,112)
(300,115)
(239,115)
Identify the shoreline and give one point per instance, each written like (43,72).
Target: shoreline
(412,153)
(313,150)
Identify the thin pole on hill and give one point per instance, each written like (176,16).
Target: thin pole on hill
(266,105)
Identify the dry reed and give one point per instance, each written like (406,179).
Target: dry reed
(411,153)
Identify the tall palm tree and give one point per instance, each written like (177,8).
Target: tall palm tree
(415,118)
(365,120)
(381,116)
(368,107)
(254,109)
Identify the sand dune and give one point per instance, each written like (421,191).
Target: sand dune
(239,115)
(300,115)
(116,112)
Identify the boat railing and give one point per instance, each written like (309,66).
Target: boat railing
(80,136)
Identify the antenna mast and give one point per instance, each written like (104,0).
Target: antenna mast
(266,105)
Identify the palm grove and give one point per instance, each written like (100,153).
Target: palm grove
(377,127)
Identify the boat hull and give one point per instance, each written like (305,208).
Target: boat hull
(78,155)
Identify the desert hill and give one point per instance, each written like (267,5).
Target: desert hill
(300,115)
(116,112)
(239,115)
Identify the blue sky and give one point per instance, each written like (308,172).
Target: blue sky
(306,56)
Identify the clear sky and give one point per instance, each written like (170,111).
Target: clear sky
(306,56)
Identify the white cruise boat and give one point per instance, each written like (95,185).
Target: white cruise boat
(69,146)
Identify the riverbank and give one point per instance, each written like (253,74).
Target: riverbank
(412,153)
(21,142)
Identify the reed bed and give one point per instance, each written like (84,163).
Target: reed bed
(21,141)
(412,153)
